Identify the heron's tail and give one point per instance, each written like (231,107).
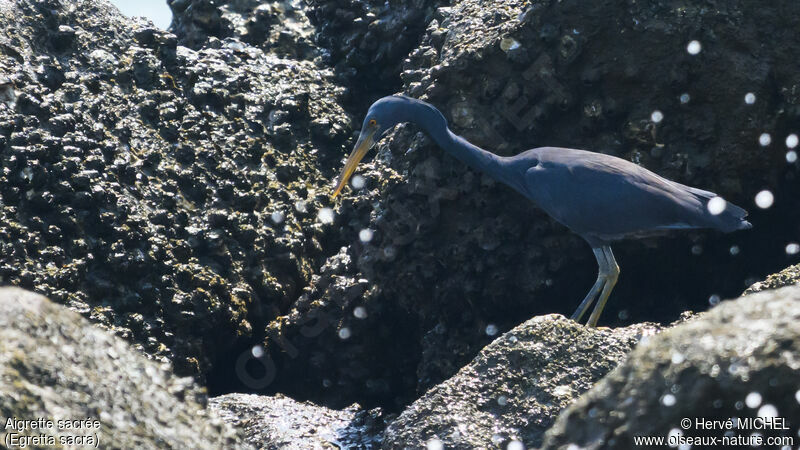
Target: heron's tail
(730,219)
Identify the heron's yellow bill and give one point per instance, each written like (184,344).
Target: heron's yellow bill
(363,145)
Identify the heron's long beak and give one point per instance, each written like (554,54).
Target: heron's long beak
(365,141)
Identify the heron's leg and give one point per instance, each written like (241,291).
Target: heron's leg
(598,285)
(611,279)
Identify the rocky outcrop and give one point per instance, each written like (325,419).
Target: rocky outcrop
(368,40)
(76,385)
(168,194)
(515,387)
(278,27)
(740,360)
(459,252)
(449,253)
(364,41)
(173,187)
(280,422)
(786,277)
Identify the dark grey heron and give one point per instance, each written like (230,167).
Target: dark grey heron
(600,197)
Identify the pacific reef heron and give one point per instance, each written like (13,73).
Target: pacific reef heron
(600,197)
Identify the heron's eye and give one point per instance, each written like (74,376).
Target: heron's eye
(372,122)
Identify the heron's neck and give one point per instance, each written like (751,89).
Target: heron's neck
(433,122)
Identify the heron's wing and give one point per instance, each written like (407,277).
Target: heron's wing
(608,197)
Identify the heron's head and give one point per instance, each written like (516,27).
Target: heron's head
(382,116)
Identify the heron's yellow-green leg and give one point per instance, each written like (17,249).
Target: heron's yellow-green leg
(611,275)
(598,286)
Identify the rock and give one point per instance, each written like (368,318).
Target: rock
(367,40)
(280,422)
(741,359)
(458,252)
(139,178)
(169,186)
(364,41)
(55,366)
(786,277)
(515,387)
(278,27)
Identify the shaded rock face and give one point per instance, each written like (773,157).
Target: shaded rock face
(515,387)
(452,254)
(173,197)
(462,252)
(738,360)
(367,41)
(280,422)
(169,195)
(56,366)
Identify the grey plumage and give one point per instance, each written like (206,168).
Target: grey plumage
(604,198)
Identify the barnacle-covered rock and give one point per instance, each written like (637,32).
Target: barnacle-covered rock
(786,277)
(462,252)
(139,182)
(516,386)
(367,40)
(280,422)
(84,387)
(738,362)
(170,186)
(280,27)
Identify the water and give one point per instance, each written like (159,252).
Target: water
(716,206)
(657,116)
(791,141)
(753,400)
(768,411)
(515,445)
(694,47)
(434,444)
(358,182)
(325,215)
(365,235)
(764,199)
(360,312)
